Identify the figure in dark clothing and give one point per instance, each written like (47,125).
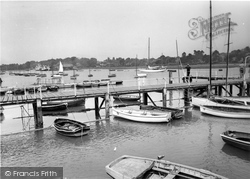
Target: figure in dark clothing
(188,79)
(188,70)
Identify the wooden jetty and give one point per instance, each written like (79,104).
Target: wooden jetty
(104,93)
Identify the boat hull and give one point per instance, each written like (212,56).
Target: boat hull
(152,70)
(237,139)
(70,102)
(142,116)
(126,97)
(223,102)
(131,167)
(70,128)
(227,112)
(54,107)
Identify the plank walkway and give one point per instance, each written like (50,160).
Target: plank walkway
(9,99)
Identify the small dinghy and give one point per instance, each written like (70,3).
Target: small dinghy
(237,139)
(70,127)
(227,112)
(142,115)
(130,167)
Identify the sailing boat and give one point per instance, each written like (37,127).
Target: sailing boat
(150,69)
(73,77)
(111,74)
(90,75)
(60,72)
(217,101)
(139,75)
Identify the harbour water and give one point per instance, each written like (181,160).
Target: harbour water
(193,140)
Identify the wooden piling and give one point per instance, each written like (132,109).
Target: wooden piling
(145,98)
(220,90)
(164,97)
(107,100)
(248,90)
(231,89)
(38,115)
(186,97)
(97,109)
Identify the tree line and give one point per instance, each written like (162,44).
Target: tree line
(198,57)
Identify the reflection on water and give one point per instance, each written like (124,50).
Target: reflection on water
(192,141)
(235,152)
(2,117)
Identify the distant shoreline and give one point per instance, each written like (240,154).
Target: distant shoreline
(199,66)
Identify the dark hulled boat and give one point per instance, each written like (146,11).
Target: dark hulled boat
(70,127)
(54,107)
(237,139)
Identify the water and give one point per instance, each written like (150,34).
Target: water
(193,140)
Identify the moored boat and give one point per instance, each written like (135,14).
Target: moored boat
(142,115)
(131,167)
(176,113)
(54,107)
(237,139)
(220,101)
(228,112)
(152,70)
(70,102)
(70,127)
(126,97)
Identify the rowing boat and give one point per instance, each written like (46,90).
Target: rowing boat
(131,167)
(142,115)
(237,139)
(228,112)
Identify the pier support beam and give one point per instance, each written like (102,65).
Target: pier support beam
(186,97)
(231,89)
(220,90)
(38,114)
(107,104)
(97,114)
(248,89)
(164,97)
(145,98)
(242,89)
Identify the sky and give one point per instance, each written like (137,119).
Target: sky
(41,30)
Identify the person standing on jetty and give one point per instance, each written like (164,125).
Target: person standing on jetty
(188,72)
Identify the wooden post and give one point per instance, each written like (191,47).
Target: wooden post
(231,89)
(38,115)
(145,98)
(216,90)
(243,89)
(186,97)
(107,99)
(248,89)
(97,114)
(220,90)
(164,97)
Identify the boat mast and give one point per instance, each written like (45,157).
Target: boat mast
(178,61)
(136,66)
(210,64)
(227,54)
(148,49)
